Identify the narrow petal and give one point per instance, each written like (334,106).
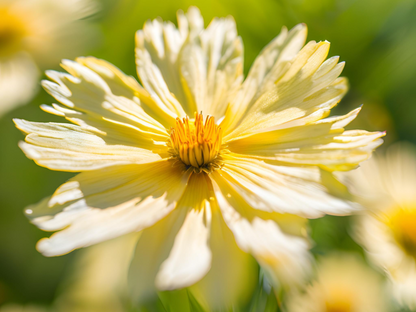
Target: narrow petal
(190,69)
(233,274)
(298,130)
(285,257)
(99,205)
(68,147)
(190,257)
(273,60)
(211,67)
(309,84)
(92,103)
(281,188)
(322,143)
(157,49)
(127,86)
(153,248)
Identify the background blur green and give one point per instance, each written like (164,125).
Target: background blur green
(376,38)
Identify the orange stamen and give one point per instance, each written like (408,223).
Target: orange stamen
(196,143)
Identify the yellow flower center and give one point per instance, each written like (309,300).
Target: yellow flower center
(340,306)
(403,225)
(339,299)
(12,32)
(196,143)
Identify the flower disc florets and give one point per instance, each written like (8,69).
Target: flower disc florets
(196,144)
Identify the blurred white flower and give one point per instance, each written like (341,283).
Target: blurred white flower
(207,192)
(35,34)
(343,284)
(98,278)
(386,186)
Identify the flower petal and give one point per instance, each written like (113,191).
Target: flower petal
(190,69)
(269,64)
(16,72)
(309,84)
(127,86)
(321,143)
(157,49)
(153,248)
(190,257)
(285,257)
(68,147)
(98,205)
(233,273)
(385,182)
(281,188)
(211,67)
(92,103)
(98,279)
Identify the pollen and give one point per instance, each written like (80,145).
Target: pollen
(196,143)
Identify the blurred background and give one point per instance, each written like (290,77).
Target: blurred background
(376,39)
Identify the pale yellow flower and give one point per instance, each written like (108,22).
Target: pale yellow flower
(386,185)
(98,279)
(211,168)
(343,284)
(33,34)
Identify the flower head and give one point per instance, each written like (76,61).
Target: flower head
(343,284)
(211,168)
(386,187)
(196,143)
(33,34)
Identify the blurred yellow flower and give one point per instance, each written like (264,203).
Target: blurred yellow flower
(211,168)
(343,284)
(386,185)
(37,33)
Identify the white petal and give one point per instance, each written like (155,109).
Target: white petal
(57,29)
(385,182)
(211,67)
(153,248)
(191,67)
(285,257)
(323,142)
(270,63)
(283,189)
(95,106)
(18,81)
(304,87)
(157,49)
(190,258)
(98,279)
(382,249)
(233,273)
(68,147)
(99,205)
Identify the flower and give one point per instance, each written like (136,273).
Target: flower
(343,284)
(37,33)
(211,168)
(98,279)
(386,187)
